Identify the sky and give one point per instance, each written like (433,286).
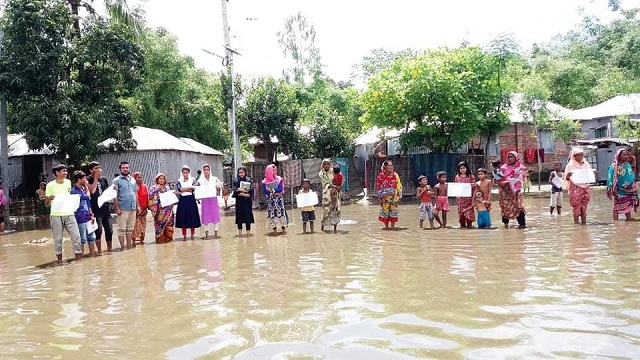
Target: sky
(346,30)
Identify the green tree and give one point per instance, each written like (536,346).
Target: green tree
(177,96)
(297,41)
(117,9)
(378,60)
(271,109)
(70,108)
(441,98)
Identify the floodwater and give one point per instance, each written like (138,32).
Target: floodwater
(552,290)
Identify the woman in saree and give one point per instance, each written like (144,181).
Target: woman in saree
(510,191)
(330,204)
(389,188)
(243,193)
(580,193)
(466,208)
(621,185)
(273,187)
(162,216)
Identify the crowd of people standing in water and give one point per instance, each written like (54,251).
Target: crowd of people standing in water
(510,178)
(134,200)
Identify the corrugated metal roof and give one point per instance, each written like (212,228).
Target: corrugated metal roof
(202,148)
(619,105)
(18,146)
(156,139)
(516,116)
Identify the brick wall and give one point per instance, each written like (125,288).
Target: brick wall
(518,136)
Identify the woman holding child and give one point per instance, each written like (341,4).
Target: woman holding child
(389,190)
(621,185)
(510,186)
(330,204)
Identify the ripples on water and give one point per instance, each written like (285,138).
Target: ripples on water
(553,290)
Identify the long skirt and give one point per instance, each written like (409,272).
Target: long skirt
(187,216)
(625,204)
(276,213)
(388,210)
(210,212)
(510,203)
(330,208)
(164,228)
(466,212)
(140,227)
(579,198)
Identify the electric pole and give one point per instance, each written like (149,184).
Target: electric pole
(4,147)
(233,125)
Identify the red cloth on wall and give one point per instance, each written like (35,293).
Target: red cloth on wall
(530,156)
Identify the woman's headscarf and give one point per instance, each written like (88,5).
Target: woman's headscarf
(189,180)
(158,177)
(572,161)
(514,172)
(271,175)
(135,174)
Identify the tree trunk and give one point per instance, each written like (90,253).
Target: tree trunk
(75,5)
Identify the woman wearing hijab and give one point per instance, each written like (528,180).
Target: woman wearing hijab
(187,213)
(162,216)
(511,191)
(579,194)
(273,187)
(389,188)
(140,226)
(210,206)
(621,185)
(243,193)
(330,204)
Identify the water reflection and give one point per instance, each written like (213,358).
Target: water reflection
(554,290)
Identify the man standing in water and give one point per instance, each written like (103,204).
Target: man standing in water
(98,184)
(62,220)
(126,204)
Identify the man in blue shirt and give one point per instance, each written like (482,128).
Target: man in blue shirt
(126,204)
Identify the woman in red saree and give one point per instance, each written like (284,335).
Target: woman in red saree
(466,210)
(511,191)
(389,190)
(579,194)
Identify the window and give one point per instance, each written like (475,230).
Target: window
(547,142)
(600,133)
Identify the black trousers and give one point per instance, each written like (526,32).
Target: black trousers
(104,225)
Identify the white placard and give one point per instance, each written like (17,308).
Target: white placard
(205,192)
(92,226)
(458,189)
(307,199)
(168,198)
(107,195)
(583,176)
(557,181)
(245,185)
(65,203)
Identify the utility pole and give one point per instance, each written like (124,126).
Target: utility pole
(4,147)
(233,125)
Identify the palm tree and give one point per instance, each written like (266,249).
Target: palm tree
(117,9)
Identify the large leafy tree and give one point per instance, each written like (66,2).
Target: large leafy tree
(177,96)
(66,91)
(270,110)
(297,41)
(441,98)
(378,60)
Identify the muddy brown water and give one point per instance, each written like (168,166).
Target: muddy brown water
(552,290)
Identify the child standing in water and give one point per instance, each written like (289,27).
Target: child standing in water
(484,219)
(556,179)
(485,185)
(466,215)
(424,193)
(308,212)
(442,200)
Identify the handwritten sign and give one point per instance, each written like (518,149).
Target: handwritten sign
(307,199)
(107,195)
(92,226)
(168,198)
(205,192)
(246,185)
(583,176)
(458,189)
(65,204)
(557,181)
